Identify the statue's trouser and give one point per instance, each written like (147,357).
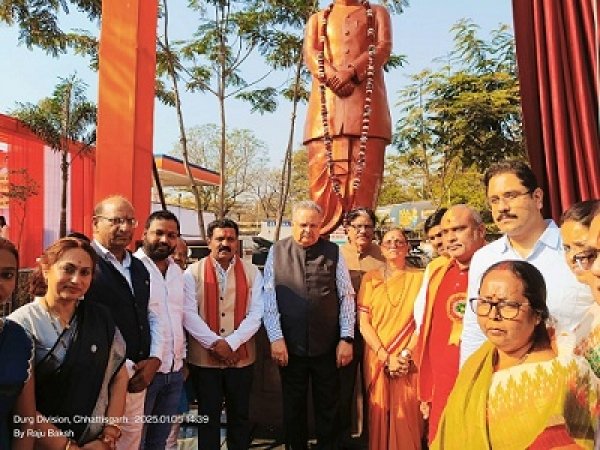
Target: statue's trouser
(345,156)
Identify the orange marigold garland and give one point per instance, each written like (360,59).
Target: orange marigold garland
(364,135)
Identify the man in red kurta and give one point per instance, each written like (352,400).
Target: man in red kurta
(438,347)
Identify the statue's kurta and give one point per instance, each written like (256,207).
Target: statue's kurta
(346,48)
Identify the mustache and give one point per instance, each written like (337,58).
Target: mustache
(505,216)
(224,248)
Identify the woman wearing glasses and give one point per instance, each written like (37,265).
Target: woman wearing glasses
(385,304)
(575,230)
(515,392)
(80,381)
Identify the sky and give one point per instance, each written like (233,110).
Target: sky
(421,33)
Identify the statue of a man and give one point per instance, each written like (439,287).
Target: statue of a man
(348,121)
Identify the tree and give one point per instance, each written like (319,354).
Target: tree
(244,153)
(212,63)
(401,182)
(168,64)
(21,187)
(65,121)
(299,183)
(266,189)
(465,116)
(39,24)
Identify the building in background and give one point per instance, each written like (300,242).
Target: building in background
(30,187)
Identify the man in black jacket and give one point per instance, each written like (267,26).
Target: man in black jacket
(121,283)
(309,318)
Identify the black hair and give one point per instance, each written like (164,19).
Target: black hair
(518,168)
(582,212)
(534,290)
(162,214)
(7,245)
(222,223)
(434,219)
(357,212)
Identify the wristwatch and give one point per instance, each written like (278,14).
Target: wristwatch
(347,339)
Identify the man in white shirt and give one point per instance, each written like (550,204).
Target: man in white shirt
(228,298)
(175,310)
(516,201)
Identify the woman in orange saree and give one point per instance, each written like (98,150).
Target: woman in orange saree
(385,304)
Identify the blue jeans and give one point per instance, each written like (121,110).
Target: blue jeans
(162,401)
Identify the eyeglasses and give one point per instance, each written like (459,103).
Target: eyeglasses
(505,308)
(507,197)
(585,259)
(362,227)
(393,244)
(120,221)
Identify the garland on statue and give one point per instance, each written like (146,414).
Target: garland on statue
(366,117)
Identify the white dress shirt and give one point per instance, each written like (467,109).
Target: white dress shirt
(176,309)
(567,299)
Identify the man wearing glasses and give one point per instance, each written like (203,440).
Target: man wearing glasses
(515,200)
(361,256)
(122,283)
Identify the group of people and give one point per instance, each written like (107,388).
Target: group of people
(491,346)
(96,360)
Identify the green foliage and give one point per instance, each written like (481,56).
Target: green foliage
(63,120)
(65,116)
(394,62)
(38,22)
(299,182)
(245,155)
(261,100)
(457,121)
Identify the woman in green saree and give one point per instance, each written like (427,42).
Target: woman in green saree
(515,392)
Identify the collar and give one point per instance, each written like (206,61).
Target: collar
(549,238)
(218,265)
(141,255)
(107,255)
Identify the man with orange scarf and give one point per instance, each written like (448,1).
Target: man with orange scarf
(229,298)
(440,326)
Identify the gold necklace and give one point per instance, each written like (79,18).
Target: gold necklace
(402,290)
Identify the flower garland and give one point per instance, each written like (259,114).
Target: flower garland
(366,116)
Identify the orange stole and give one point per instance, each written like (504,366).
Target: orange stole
(211,299)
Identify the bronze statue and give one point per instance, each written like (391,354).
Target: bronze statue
(348,121)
